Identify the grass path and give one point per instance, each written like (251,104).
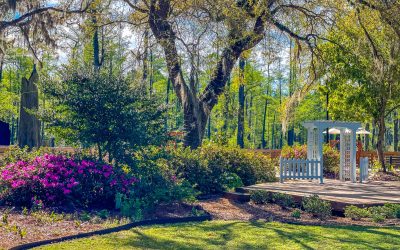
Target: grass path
(242,235)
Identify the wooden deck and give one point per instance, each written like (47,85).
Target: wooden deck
(340,194)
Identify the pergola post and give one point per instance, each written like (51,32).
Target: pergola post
(348,147)
(353,152)
(342,154)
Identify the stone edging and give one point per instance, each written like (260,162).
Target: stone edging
(113,230)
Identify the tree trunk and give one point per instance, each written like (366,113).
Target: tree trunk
(97,58)
(366,142)
(29,125)
(273,132)
(151,81)
(240,128)
(197,109)
(1,69)
(263,141)
(373,134)
(226,113)
(167,104)
(145,57)
(381,140)
(396,132)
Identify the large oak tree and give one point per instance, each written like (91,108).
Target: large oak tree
(244,24)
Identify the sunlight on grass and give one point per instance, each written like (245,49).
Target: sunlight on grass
(242,235)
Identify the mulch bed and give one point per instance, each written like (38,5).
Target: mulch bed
(224,209)
(43,227)
(389,176)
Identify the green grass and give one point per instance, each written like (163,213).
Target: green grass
(242,235)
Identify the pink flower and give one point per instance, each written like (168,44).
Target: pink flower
(66,191)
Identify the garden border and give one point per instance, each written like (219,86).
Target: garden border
(161,221)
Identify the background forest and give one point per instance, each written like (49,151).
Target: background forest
(243,73)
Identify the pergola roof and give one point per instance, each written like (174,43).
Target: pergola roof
(323,124)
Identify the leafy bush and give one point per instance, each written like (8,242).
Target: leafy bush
(394,210)
(356,213)
(296,151)
(260,196)
(159,181)
(106,112)
(57,180)
(378,218)
(317,207)
(331,157)
(296,213)
(15,153)
(207,167)
(230,181)
(388,211)
(249,166)
(283,200)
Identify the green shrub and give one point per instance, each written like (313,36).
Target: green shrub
(133,208)
(296,213)
(388,211)
(393,210)
(107,112)
(249,166)
(296,151)
(230,181)
(317,207)
(283,200)
(158,181)
(331,156)
(378,218)
(356,213)
(260,196)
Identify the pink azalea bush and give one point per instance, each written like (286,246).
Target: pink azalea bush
(330,154)
(56,180)
(296,151)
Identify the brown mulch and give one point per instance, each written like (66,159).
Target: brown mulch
(224,209)
(43,228)
(389,176)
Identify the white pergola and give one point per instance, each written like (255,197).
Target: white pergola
(348,146)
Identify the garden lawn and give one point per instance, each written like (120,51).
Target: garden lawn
(242,235)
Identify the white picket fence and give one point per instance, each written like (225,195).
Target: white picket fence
(364,169)
(300,169)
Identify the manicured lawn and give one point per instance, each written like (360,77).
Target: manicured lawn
(242,235)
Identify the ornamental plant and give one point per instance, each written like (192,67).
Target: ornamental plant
(53,180)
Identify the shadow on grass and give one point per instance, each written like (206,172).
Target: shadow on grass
(256,235)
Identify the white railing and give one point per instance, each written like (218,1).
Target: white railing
(363,169)
(300,169)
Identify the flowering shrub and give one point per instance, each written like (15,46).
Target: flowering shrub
(297,152)
(331,157)
(55,179)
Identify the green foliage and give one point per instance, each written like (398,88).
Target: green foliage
(107,112)
(207,167)
(317,207)
(331,157)
(388,211)
(296,151)
(133,208)
(230,181)
(378,218)
(283,200)
(159,180)
(296,213)
(356,213)
(260,196)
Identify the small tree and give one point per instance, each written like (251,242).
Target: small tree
(109,113)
